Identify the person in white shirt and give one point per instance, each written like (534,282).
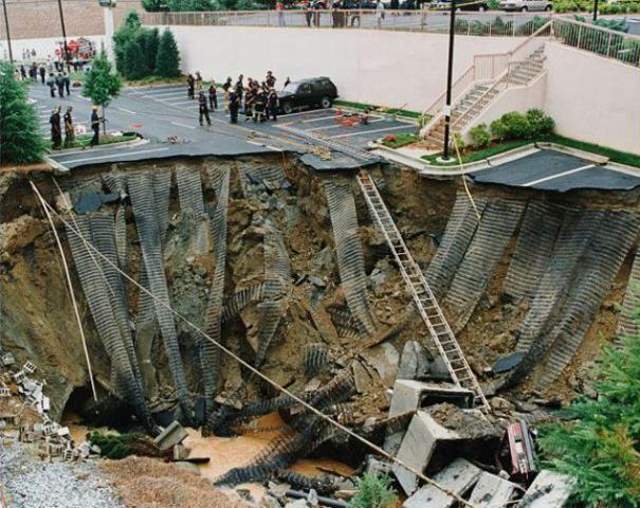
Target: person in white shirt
(379,12)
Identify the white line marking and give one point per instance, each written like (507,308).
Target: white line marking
(111,156)
(127,111)
(309,111)
(190,101)
(362,133)
(84,98)
(326,127)
(557,175)
(319,119)
(183,125)
(164,95)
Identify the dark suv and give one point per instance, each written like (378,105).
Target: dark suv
(307,94)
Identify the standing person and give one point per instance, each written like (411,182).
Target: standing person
(227,90)
(213,96)
(191,83)
(198,82)
(270,80)
(379,13)
(69,132)
(95,126)
(43,73)
(203,109)
(56,133)
(260,105)
(308,12)
(234,106)
(272,105)
(317,7)
(239,89)
(23,73)
(280,11)
(249,101)
(67,82)
(60,85)
(51,83)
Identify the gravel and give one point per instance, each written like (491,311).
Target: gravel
(31,483)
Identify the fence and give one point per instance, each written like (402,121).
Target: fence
(467,23)
(604,42)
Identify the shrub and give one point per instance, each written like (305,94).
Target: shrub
(373,492)
(135,65)
(459,142)
(168,59)
(539,123)
(498,130)
(480,136)
(516,125)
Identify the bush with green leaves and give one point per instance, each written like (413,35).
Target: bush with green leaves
(539,123)
(20,140)
(154,5)
(373,492)
(101,84)
(480,136)
(601,446)
(168,58)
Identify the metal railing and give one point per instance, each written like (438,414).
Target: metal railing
(602,41)
(476,23)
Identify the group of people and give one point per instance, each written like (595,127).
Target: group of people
(257,100)
(60,82)
(69,128)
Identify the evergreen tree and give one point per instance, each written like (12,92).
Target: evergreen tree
(126,33)
(168,59)
(154,5)
(135,64)
(101,83)
(20,141)
(149,41)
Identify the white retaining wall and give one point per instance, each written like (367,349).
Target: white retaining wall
(375,66)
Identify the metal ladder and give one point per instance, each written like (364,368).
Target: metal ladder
(425,301)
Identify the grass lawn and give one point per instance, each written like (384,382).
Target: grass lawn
(400,140)
(414,115)
(83,140)
(156,80)
(478,154)
(615,155)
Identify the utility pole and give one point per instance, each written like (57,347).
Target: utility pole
(64,33)
(108,28)
(595,10)
(447,106)
(6,25)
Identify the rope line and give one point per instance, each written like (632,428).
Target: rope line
(250,367)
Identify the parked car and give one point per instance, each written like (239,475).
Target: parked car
(465,5)
(526,5)
(308,94)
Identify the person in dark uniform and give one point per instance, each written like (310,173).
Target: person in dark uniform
(227,90)
(270,80)
(234,106)
(60,84)
(23,72)
(272,105)
(260,104)
(43,73)
(203,108)
(239,89)
(67,82)
(213,96)
(69,132)
(51,83)
(95,126)
(249,101)
(56,133)
(191,83)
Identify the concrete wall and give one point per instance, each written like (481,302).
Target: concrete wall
(379,67)
(593,98)
(43,47)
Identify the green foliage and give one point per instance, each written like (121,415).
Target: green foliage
(601,448)
(154,5)
(135,64)
(399,140)
(129,63)
(480,136)
(20,141)
(191,5)
(539,123)
(373,492)
(125,34)
(168,59)
(149,40)
(115,446)
(515,125)
(101,83)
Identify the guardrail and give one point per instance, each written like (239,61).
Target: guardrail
(602,41)
(467,23)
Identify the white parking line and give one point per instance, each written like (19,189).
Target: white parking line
(311,111)
(112,156)
(557,175)
(127,111)
(164,95)
(189,101)
(326,127)
(361,133)
(319,119)
(183,125)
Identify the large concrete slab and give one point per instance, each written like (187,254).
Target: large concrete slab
(491,491)
(548,490)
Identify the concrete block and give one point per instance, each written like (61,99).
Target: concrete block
(459,477)
(180,452)
(8,359)
(548,490)
(172,435)
(491,491)
(419,444)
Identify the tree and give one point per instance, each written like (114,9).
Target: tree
(101,84)
(126,33)
(168,59)
(154,5)
(135,64)
(20,141)
(149,41)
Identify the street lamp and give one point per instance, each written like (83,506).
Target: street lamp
(595,10)
(108,6)
(6,24)
(64,33)
(447,106)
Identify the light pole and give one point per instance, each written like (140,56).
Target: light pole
(6,25)
(595,10)
(447,106)
(108,6)
(64,33)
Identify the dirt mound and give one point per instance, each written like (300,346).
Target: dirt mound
(147,483)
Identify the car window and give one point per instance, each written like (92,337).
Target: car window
(305,88)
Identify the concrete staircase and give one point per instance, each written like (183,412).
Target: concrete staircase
(482,93)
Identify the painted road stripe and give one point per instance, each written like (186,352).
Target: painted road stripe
(111,156)
(557,175)
(332,117)
(127,111)
(165,95)
(183,125)
(308,112)
(326,127)
(362,133)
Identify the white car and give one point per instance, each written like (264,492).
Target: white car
(526,5)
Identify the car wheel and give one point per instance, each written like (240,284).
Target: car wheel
(325,103)
(524,9)
(287,108)
(548,8)
(481,8)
